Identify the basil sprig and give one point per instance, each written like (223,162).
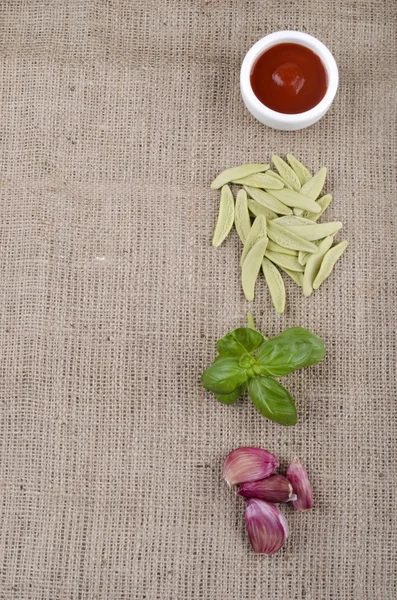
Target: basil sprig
(247,359)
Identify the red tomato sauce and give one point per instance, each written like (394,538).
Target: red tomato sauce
(289,78)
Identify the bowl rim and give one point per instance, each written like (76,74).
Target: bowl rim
(304,39)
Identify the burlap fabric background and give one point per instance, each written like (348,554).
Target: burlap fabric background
(115,117)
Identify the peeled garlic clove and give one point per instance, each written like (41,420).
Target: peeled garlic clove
(266,526)
(275,488)
(298,478)
(248,464)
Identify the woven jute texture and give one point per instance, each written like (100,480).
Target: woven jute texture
(115,117)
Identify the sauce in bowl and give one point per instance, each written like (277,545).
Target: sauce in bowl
(289,78)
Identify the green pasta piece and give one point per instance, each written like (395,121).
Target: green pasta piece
(277,248)
(295,275)
(251,267)
(275,284)
(313,265)
(257,231)
(258,209)
(312,189)
(295,200)
(328,263)
(237,173)
(286,238)
(271,173)
(283,260)
(242,219)
(225,217)
(260,180)
(303,257)
(315,232)
(268,200)
(302,172)
(323,203)
(287,174)
(293,220)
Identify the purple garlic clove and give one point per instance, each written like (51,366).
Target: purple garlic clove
(275,488)
(266,526)
(297,476)
(248,464)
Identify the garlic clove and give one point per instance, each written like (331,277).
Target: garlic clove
(266,526)
(248,464)
(275,488)
(297,476)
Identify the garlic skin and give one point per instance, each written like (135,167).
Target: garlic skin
(297,476)
(248,464)
(266,526)
(275,488)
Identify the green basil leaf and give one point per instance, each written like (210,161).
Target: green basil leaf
(224,376)
(239,341)
(293,349)
(233,397)
(272,400)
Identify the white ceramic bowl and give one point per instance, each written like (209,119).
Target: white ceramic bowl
(271,117)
